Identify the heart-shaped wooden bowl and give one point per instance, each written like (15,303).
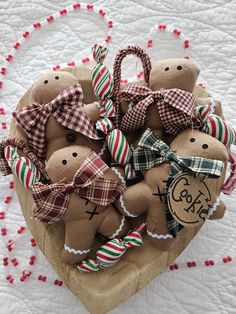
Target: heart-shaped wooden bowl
(104,290)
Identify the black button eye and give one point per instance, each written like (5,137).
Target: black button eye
(204,146)
(45,82)
(56,77)
(192,139)
(167,69)
(74,154)
(179,67)
(64,162)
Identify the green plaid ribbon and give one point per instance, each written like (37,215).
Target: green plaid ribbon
(152,151)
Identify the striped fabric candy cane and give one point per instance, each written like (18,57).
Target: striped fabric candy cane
(111,252)
(214,125)
(102,85)
(220,129)
(120,151)
(22,167)
(101,77)
(10,154)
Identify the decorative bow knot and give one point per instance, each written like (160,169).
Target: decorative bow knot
(175,108)
(152,151)
(65,108)
(102,84)
(111,252)
(52,200)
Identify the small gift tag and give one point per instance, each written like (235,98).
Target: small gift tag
(189,200)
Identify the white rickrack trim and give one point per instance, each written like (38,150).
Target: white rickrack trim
(159,236)
(212,105)
(102,149)
(119,175)
(68,249)
(214,207)
(122,204)
(115,234)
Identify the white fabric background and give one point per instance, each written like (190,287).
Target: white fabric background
(211,28)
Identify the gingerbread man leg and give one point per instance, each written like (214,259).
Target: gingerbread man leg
(79,237)
(157,229)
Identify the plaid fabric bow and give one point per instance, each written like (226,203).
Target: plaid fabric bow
(65,108)
(152,151)
(52,200)
(175,108)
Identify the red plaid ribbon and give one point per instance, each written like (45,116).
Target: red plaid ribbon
(65,108)
(175,108)
(52,200)
(15,142)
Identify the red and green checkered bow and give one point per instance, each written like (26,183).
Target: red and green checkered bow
(115,139)
(175,108)
(152,151)
(222,131)
(52,200)
(65,108)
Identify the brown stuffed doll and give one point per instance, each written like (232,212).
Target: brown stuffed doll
(59,117)
(167,109)
(181,183)
(165,104)
(81,194)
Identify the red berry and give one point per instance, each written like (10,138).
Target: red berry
(3,71)
(76,6)
(63,12)
(50,19)
(102,13)
(26,34)
(186,43)
(150,43)
(9,58)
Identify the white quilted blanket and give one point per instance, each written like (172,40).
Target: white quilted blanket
(210,27)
